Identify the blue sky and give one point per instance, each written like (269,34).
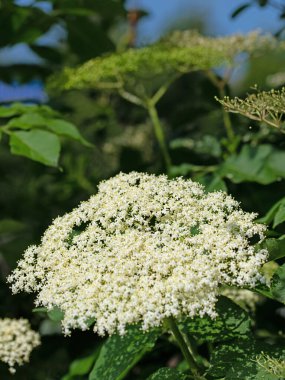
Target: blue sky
(215,13)
(162,13)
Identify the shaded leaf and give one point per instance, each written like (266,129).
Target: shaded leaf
(8,226)
(38,145)
(238,360)
(39,310)
(120,353)
(55,314)
(81,38)
(47,53)
(270,215)
(262,164)
(232,322)
(168,374)
(275,247)
(81,366)
(212,183)
(278,284)
(280,215)
(180,170)
(208,145)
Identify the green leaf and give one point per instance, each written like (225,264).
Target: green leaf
(58,126)
(20,109)
(81,38)
(275,247)
(252,164)
(240,9)
(8,226)
(232,322)
(270,215)
(120,353)
(81,366)
(40,310)
(27,121)
(10,111)
(278,284)
(64,128)
(168,374)
(280,215)
(181,170)
(212,182)
(38,145)
(238,360)
(55,314)
(207,145)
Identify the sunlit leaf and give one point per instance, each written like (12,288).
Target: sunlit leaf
(38,145)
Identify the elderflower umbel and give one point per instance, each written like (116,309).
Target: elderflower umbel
(17,340)
(142,249)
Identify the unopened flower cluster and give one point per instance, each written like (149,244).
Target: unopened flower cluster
(272,365)
(17,340)
(253,43)
(142,249)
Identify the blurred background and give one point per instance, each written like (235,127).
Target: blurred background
(40,38)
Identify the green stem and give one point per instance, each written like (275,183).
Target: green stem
(184,349)
(159,133)
(220,84)
(226,118)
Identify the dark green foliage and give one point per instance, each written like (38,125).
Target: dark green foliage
(120,353)
(278,284)
(82,20)
(238,360)
(168,374)
(231,322)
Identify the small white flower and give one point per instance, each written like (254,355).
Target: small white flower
(17,340)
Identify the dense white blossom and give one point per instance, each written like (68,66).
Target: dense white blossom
(142,249)
(17,340)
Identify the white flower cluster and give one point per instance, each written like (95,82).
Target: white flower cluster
(17,340)
(143,249)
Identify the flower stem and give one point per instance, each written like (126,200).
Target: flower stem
(184,349)
(220,85)
(226,118)
(159,133)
